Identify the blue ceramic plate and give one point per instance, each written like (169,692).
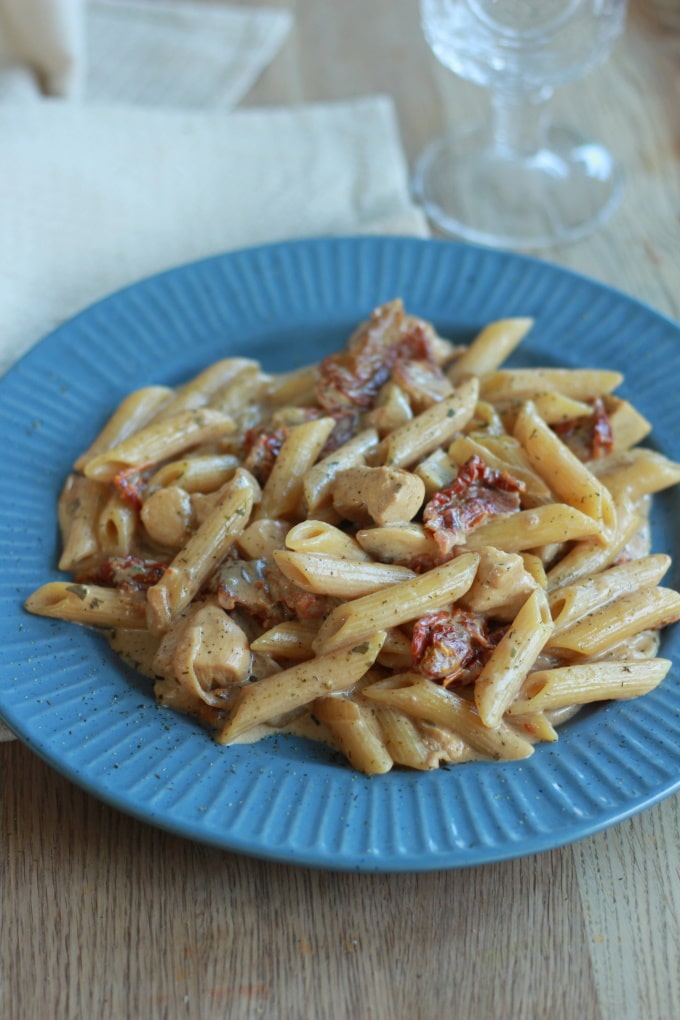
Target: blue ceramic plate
(72,701)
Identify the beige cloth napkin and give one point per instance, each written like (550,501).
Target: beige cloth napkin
(154,52)
(192,54)
(101,196)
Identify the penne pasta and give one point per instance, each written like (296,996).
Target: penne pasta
(636,473)
(158,441)
(295,387)
(537,727)
(433,427)
(283,491)
(528,383)
(320,537)
(240,391)
(89,604)
(300,685)
(490,348)
(436,471)
(204,551)
(623,617)
(134,413)
(571,604)
(507,666)
(550,689)
(116,526)
(556,408)
(196,474)
(423,699)
(356,733)
(291,639)
(354,621)
(628,426)
(531,529)
(396,652)
(590,555)
(403,741)
(78,511)
(394,408)
(399,543)
(332,575)
(199,390)
(563,472)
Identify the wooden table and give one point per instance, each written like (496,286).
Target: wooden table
(102,916)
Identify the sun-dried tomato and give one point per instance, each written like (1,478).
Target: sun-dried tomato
(345,429)
(130,483)
(127,573)
(348,382)
(451,645)
(352,378)
(415,346)
(590,436)
(603,434)
(263,445)
(477,493)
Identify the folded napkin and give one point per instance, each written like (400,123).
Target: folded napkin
(178,54)
(101,196)
(137,51)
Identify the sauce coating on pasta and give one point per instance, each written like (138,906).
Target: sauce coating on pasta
(407,550)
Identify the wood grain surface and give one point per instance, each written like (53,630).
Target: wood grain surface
(104,917)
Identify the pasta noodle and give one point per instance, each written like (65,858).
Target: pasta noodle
(208,545)
(158,441)
(567,476)
(79,509)
(135,411)
(408,550)
(490,348)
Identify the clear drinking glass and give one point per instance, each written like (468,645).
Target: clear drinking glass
(518,180)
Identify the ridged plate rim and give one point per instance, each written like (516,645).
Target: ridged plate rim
(67,697)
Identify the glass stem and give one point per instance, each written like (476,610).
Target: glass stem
(520,121)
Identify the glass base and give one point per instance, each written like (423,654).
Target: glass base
(561,193)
